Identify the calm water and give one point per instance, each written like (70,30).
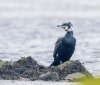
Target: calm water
(36,37)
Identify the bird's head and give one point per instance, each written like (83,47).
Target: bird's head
(66,26)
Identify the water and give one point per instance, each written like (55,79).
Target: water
(28,8)
(36,37)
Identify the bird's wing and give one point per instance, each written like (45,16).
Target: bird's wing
(58,44)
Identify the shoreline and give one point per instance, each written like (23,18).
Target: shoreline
(38,82)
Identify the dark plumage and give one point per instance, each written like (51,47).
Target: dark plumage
(65,46)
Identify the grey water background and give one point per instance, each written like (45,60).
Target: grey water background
(28,28)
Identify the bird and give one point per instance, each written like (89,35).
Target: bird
(64,46)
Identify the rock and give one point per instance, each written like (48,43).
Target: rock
(49,76)
(27,62)
(9,75)
(31,74)
(33,78)
(7,72)
(71,67)
(23,67)
(75,77)
(54,69)
(28,68)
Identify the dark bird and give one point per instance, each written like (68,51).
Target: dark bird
(65,46)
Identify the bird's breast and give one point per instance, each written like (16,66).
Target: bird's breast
(69,41)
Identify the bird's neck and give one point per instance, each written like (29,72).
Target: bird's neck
(69,32)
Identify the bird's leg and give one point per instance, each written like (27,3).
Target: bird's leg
(56,61)
(55,57)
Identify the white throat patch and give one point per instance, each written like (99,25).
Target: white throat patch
(69,30)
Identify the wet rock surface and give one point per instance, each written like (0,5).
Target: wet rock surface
(75,77)
(71,67)
(49,76)
(30,69)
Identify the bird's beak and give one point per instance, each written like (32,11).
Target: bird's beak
(58,25)
(62,27)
